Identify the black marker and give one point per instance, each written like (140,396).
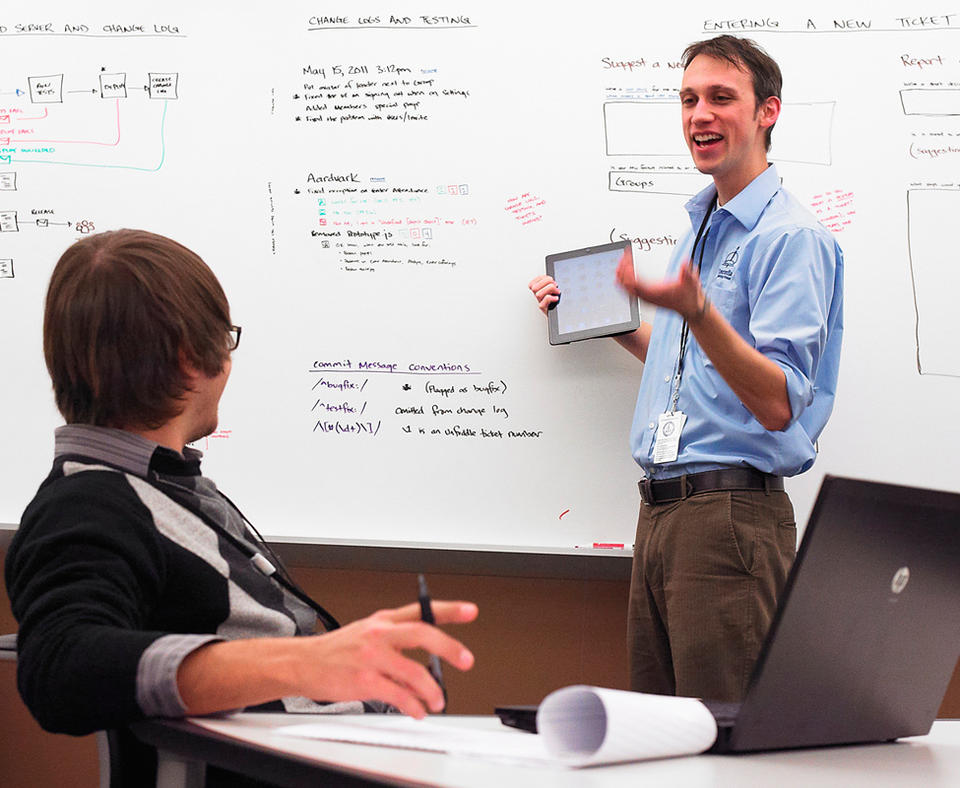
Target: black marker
(426,615)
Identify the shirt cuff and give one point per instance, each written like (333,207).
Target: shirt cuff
(157,692)
(799,391)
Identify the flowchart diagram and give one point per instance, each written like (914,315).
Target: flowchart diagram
(645,153)
(49,120)
(36,126)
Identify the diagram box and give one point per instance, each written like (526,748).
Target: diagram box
(8,181)
(935,279)
(684,184)
(643,128)
(652,128)
(46,90)
(163,86)
(8,222)
(804,133)
(6,268)
(113,86)
(936,102)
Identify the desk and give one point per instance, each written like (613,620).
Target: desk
(246,743)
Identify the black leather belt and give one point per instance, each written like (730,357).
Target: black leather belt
(679,487)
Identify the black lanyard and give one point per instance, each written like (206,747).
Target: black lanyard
(685,330)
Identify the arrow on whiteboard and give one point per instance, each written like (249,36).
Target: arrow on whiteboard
(88,142)
(36,117)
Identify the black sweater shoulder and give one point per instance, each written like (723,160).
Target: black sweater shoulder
(83,572)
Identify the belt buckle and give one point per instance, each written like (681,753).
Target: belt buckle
(646,491)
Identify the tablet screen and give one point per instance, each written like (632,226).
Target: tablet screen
(591,304)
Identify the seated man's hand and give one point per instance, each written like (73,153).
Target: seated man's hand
(365,661)
(361,661)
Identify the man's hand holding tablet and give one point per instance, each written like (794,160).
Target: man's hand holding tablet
(594,304)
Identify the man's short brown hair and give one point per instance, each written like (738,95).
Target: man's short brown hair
(746,55)
(123,309)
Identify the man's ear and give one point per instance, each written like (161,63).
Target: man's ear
(190,373)
(768,112)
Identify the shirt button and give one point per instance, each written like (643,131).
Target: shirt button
(666,378)
(652,425)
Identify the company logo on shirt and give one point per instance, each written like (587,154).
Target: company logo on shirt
(728,266)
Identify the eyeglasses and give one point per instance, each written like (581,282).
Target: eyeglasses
(234,338)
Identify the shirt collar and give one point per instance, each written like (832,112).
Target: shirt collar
(118,448)
(746,207)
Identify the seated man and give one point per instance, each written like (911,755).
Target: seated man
(139,588)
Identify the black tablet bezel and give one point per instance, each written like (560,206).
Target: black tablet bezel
(553,323)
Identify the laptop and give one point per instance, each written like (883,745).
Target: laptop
(867,632)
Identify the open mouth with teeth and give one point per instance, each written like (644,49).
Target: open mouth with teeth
(706,140)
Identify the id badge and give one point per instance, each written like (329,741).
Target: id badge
(667,445)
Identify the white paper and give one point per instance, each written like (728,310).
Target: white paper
(578,726)
(583,726)
(394,730)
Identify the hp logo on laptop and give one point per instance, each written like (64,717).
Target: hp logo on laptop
(900,580)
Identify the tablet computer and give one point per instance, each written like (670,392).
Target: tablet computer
(591,303)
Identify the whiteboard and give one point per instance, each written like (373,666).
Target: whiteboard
(375,184)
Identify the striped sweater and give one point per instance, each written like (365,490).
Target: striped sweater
(128,559)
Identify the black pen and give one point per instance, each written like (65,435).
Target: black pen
(426,615)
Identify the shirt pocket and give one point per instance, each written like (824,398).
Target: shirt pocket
(723,294)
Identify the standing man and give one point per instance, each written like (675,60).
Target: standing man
(740,372)
(140,589)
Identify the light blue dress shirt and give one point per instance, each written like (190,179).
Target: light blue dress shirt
(776,275)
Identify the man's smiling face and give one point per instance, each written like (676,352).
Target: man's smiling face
(722,124)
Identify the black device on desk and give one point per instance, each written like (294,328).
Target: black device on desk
(522,717)
(867,632)
(591,303)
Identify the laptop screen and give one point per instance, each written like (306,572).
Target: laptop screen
(867,633)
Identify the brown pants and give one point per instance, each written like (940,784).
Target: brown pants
(707,572)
